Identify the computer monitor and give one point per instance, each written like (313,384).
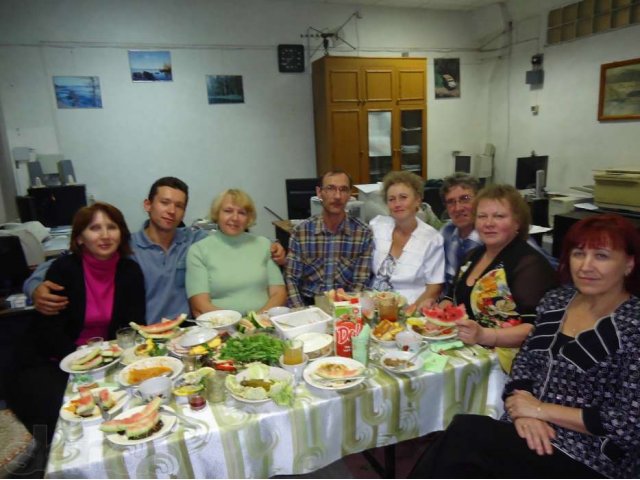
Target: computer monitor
(462,163)
(480,166)
(526,170)
(299,193)
(14,269)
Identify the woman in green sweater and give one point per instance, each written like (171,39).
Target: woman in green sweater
(232,269)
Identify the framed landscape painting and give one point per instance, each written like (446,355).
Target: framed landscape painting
(77,92)
(150,65)
(225,89)
(619,91)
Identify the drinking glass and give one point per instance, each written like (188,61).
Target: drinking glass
(388,309)
(95,342)
(293,354)
(191,362)
(215,386)
(71,431)
(126,337)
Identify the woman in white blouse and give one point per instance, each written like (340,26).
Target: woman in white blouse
(408,255)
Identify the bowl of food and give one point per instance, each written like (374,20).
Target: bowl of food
(219,319)
(141,370)
(316,345)
(385,332)
(399,361)
(311,319)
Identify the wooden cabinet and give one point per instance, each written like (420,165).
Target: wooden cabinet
(370,115)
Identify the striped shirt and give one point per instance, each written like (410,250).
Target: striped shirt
(320,260)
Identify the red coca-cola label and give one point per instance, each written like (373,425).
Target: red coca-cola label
(343,331)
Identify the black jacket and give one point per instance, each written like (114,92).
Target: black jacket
(55,336)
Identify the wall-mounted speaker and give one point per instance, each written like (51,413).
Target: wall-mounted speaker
(535,77)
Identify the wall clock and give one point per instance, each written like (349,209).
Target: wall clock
(291,58)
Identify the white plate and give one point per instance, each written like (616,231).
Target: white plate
(197,336)
(275,373)
(173,363)
(312,379)
(417,362)
(436,338)
(384,343)
(168,421)
(65,363)
(120,397)
(219,319)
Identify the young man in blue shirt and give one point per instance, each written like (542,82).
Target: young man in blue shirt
(160,248)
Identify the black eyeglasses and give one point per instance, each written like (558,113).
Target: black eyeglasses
(462,200)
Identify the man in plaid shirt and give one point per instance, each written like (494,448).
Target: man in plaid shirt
(331,250)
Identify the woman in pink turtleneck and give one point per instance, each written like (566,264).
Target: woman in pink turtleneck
(104,287)
(105,291)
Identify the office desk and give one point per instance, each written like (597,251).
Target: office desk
(55,245)
(258,440)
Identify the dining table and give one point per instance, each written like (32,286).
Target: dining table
(236,439)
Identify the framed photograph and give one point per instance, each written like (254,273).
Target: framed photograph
(225,89)
(619,91)
(150,65)
(77,92)
(446,74)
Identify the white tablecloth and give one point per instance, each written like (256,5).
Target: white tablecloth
(240,440)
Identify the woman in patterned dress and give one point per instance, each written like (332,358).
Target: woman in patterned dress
(572,408)
(501,282)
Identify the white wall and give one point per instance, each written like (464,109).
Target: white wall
(149,130)
(566,128)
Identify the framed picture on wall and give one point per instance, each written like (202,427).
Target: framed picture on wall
(225,89)
(446,74)
(77,92)
(150,65)
(619,91)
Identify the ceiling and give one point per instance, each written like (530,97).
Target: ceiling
(431,4)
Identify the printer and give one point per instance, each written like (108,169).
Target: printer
(617,188)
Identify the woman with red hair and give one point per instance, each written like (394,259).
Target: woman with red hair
(572,408)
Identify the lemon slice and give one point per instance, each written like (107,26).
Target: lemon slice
(195,377)
(205,371)
(187,390)
(415,321)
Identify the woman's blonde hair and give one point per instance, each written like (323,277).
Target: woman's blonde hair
(518,205)
(409,179)
(239,198)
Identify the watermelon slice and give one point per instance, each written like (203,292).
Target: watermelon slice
(86,404)
(120,424)
(93,363)
(143,428)
(105,399)
(90,355)
(447,316)
(161,327)
(112,351)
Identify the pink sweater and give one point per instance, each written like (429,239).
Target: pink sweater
(99,283)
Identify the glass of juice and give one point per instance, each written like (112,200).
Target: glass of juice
(293,354)
(388,308)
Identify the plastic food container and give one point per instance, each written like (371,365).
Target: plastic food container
(311,319)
